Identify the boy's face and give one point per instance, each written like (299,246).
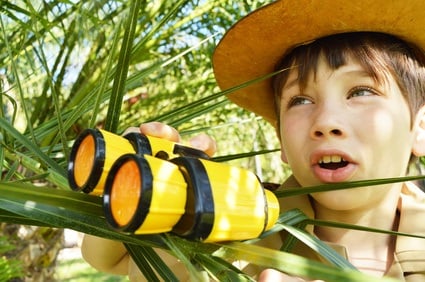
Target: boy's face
(345,126)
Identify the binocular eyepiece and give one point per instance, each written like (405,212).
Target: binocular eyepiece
(151,185)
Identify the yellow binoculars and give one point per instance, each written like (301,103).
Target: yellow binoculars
(95,150)
(184,193)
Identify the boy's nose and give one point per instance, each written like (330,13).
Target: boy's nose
(330,132)
(327,123)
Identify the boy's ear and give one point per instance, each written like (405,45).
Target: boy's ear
(418,148)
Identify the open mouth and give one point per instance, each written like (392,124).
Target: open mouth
(333,162)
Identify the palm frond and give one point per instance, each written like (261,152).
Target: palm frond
(69,65)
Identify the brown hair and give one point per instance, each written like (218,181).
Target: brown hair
(381,55)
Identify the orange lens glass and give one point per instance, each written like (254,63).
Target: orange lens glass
(84,161)
(125,193)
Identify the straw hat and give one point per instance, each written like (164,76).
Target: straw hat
(252,47)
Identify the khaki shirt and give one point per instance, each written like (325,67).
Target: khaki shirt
(409,255)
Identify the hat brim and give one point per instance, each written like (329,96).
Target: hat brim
(253,46)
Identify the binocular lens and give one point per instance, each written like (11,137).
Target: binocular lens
(85,160)
(144,195)
(92,155)
(125,193)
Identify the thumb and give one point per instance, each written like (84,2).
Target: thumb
(204,143)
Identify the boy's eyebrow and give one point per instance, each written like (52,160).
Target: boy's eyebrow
(357,70)
(290,83)
(360,72)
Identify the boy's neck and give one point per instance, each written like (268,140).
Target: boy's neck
(365,249)
(371,253)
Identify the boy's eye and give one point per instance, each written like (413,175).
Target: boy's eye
(361,91)
(299,100)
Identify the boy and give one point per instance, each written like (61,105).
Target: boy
(348,106)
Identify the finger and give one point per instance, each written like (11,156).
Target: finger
(204,143)
(273,275)
(160,130)
(131,130)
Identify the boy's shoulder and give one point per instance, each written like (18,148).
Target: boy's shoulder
(411,208)
(411,190)
(410,251)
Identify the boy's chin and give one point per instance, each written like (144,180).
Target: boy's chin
(341,200)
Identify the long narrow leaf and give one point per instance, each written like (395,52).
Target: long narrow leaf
(105,79)
(292,264)
(294,221)
(64,209)
(138,253)
(288,192)
(334,224)
(177,248)
(319,246)
(220,269)
(242,155)
(146,258)
(212,97)
(31,146)
(16,73)
(114,109)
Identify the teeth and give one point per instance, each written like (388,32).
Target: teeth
(331,159)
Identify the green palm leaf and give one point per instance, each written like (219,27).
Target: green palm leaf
(69,65)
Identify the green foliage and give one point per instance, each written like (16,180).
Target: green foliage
(10,268)
(77,270)
(70,65)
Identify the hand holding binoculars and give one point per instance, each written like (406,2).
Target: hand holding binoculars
(151,185)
